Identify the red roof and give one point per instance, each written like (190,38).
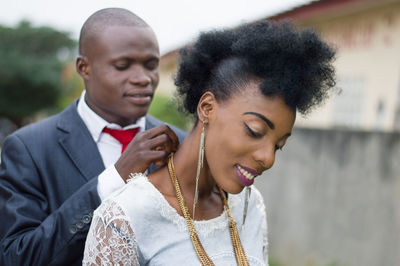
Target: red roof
(320,7)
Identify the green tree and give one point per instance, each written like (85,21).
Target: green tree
(31,61)
(167,110)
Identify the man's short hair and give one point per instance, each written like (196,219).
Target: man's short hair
(103,18)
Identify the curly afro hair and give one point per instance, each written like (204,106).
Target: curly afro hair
(294,64)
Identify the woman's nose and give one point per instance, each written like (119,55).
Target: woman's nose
(265,157)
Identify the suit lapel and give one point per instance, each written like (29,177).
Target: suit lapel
(150,122)
(77,142)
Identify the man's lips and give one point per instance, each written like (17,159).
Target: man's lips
(140,98)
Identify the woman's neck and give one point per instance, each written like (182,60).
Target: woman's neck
(209,204)
(185,164)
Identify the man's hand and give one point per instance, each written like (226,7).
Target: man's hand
(150,146)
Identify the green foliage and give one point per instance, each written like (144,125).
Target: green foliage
(165,109)
(73,86)
(335,263)
(273,261)
(32,59)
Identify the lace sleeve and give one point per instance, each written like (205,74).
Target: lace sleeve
(111,240)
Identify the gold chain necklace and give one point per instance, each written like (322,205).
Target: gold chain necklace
(240,255)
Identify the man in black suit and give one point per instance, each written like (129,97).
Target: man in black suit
(55,172)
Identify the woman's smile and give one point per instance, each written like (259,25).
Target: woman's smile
(245,175)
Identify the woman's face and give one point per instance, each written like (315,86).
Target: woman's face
(242,135)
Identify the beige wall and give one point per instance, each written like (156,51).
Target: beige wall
(368,68)
(168,67)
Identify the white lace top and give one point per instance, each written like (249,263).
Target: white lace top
(137,226)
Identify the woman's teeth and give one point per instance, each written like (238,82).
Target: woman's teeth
(245,173)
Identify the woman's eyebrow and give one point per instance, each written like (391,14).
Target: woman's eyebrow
(266,120)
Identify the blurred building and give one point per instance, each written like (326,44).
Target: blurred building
(366,34)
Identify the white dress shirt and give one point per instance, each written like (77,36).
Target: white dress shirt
(110,148)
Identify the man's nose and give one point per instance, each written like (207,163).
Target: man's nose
(139,76)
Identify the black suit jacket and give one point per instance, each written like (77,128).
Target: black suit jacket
(48,190)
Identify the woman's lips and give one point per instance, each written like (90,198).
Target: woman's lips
(251,171)
(246,175)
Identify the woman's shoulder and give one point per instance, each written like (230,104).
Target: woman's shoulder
(255,196)
(137,185)
(135,195)
(256,204)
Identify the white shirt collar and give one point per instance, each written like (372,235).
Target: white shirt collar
(96,124)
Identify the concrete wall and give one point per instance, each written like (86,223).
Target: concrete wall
(333,198)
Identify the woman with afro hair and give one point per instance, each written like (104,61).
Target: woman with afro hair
(244,87)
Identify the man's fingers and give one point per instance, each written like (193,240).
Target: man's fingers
(162,129)
(171,134)
(155,131)
(157,157)
(162,142)
(150,146)
(125,166)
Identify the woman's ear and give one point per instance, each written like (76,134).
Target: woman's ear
(206,106)
(82,67)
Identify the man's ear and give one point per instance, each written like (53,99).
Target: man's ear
(82,67)
(206,107)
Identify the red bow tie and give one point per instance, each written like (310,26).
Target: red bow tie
(123,136)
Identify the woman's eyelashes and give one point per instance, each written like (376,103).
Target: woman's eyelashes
(252,133)
(277,147)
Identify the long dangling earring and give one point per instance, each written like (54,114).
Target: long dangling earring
(199,166)
(246,205)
